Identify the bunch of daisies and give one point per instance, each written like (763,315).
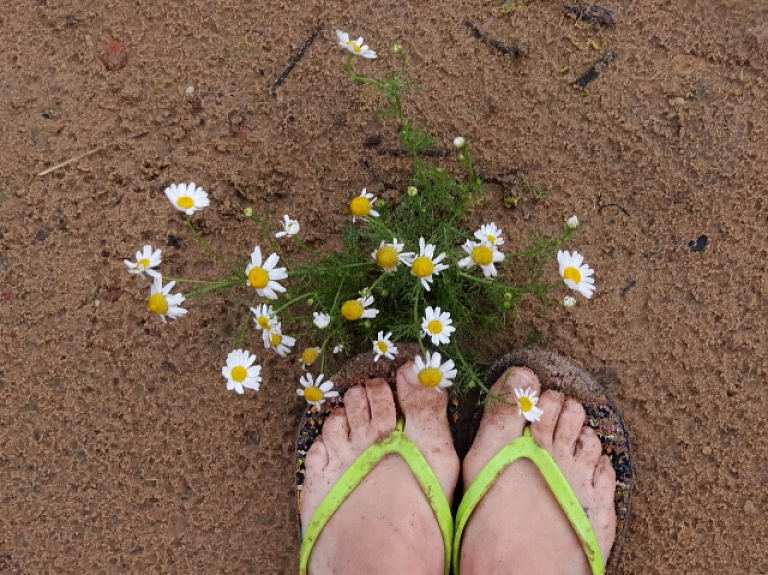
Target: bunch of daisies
(407,274)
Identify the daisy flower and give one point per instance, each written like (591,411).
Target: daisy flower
(321,319)
(491,234)
(383,345)
(264,317)
(264,276)
(146,259)
(164,304)
(437,325)
(338,348)
(569,301)
(355,47)
(459,142)
(362,205)
(274,338)
(526,404)
(575,273)
(572,222)
(481,254)
(355,309)
(240,371)
(314,391)
(187,198)
(388,256)
(432,373)
(290,228)
(426,265)
(309,356)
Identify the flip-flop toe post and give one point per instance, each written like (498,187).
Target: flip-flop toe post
(557,372)
(358,370)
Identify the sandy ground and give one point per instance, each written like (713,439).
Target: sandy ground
(120,450)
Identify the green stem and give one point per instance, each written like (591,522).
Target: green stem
(301,272)
(201,241)
(183,280)
(294,300)
(240,339)
(306,248)
(215,287)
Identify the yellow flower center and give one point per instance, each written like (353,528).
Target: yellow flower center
(185,202)
(158,303)
(482,255)
(491,239)
(313,393)
(434,327)
(525,404)
(275,339)
(382,346)
(258,278)
(423,267)
(309,355)
(360,206)
(354,46)
(263,322)
(571,273)
(238,373)
(430,377)
(386,257)
(142,264)
(352,309)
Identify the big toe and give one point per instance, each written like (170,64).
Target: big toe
(414,398)
(501,423)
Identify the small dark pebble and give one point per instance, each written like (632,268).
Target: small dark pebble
(105,253)
(41,235)
(372,141)
(174,242)
(699,245)
(168,366)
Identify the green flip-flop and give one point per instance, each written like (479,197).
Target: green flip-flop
(395,442)
(557,372)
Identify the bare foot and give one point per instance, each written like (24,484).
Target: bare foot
(518,527)
(387,517)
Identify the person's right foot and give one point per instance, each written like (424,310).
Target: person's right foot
(386,525)
(518,526)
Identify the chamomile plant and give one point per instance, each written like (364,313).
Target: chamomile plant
(410,270)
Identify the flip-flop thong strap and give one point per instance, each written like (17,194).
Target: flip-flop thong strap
(526,447)
(395,442)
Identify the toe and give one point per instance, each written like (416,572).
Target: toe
(414,398)
(551,403)
(604,478)
(588,448)
(382,406)
(336,432)
(568,427)
(504,414)
(317,457)
(358,411)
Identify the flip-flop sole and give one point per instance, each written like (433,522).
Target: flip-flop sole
(357,370)
(560,373)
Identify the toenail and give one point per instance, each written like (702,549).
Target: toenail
(355,391)
(572,405)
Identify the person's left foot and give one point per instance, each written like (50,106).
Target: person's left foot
(386,525)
